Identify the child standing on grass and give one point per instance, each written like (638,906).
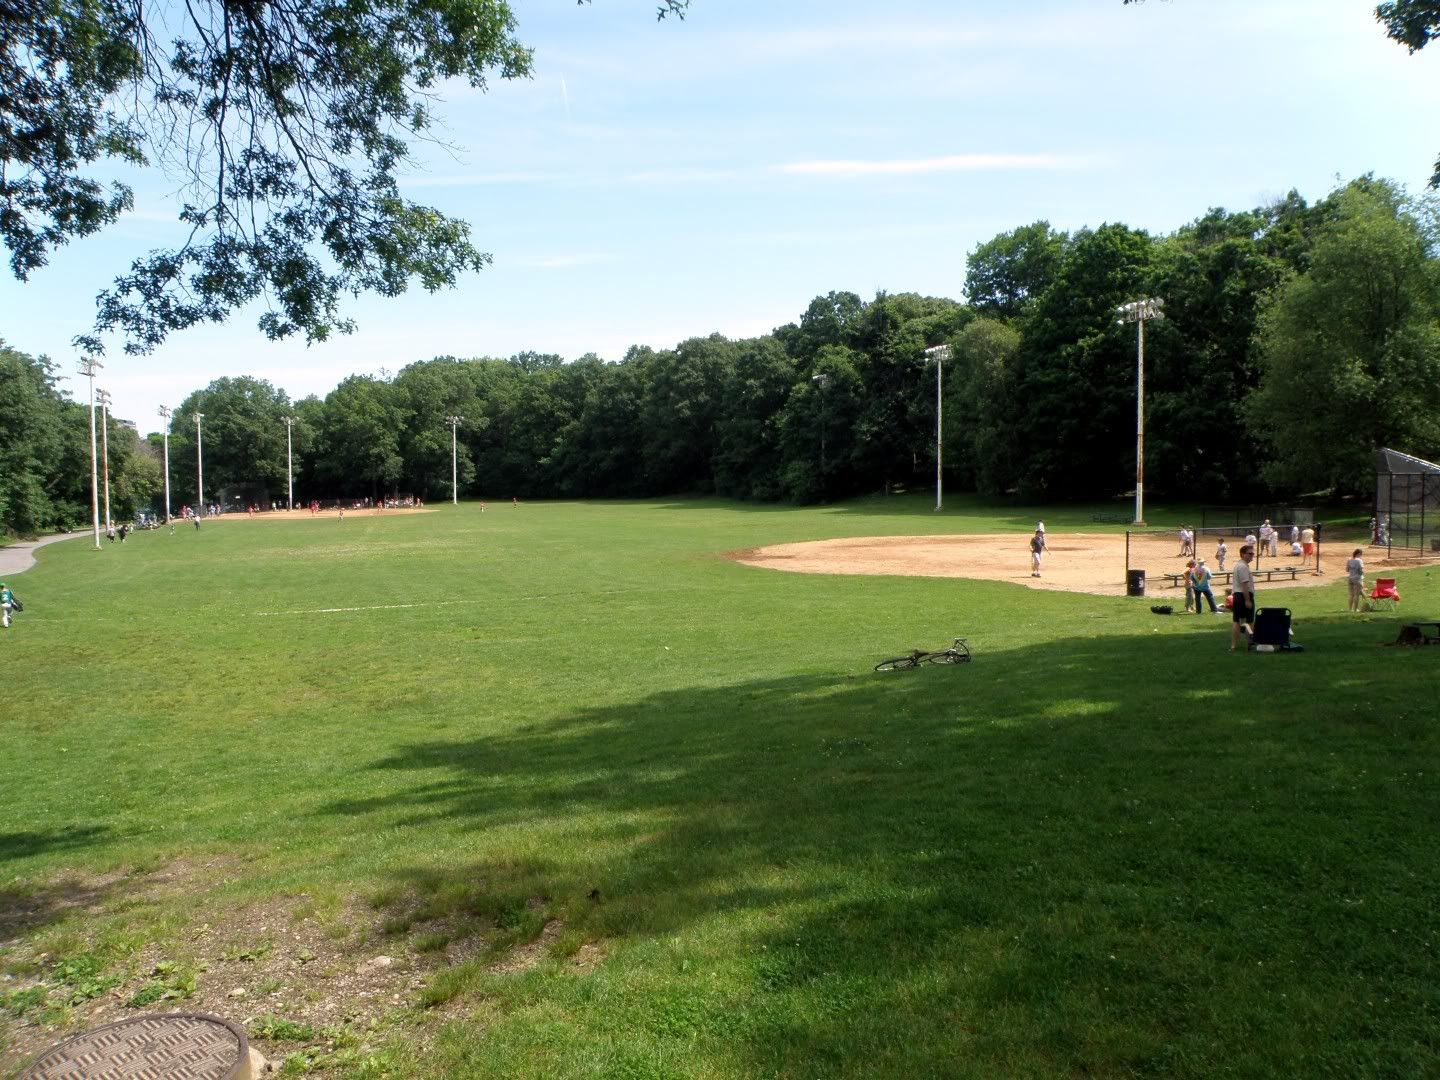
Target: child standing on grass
(7,601)
(1355,572)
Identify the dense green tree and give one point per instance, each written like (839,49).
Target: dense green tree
(432,391)
(32,439)
(747,462)
(1004,274)
(818,427)
(360,437)
(1350,350)
(682,411)
(1075,380)
(243,435)
(599,451)
(983,400)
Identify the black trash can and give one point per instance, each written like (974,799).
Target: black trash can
(1135,583)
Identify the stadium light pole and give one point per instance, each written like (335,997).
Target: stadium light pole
(454,422)
(88,367)
(165,415)
(199,467)
(290,460)
(823,382)
(104,396)
(938,353)
(1138,312)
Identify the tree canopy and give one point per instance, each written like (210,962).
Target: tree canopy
(286,123)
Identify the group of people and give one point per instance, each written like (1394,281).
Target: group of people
(1199,591)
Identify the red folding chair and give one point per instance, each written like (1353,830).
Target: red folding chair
(1384,596)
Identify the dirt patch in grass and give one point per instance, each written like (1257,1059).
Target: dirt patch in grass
(1074,562)
(317,977)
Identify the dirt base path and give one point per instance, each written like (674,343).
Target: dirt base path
(1074,562)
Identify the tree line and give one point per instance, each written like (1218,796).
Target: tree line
(1298,338)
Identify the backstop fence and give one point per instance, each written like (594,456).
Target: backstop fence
(1407,504)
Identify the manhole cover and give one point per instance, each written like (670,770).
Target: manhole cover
(175,1046)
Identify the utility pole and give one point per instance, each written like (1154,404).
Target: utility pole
(290,460)
(165,415)
(199,467)
(104,396)
(454,422)
(88,367)
(1138,311)
(939,353)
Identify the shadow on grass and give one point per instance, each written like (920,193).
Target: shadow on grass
(21,845)
(27,907)
(1137,855)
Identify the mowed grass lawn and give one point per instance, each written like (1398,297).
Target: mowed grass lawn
(1108,847)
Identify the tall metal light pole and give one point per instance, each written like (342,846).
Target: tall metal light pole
(938,353)
(290,460)
(165,415)
(454,422)
(823,382)
(199,467)
(88,367)
(1138,311)
(104,396)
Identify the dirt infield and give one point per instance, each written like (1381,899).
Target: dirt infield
(1074,562)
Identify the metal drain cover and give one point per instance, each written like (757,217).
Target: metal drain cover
(170,1046)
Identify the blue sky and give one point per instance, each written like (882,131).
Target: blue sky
(658,181)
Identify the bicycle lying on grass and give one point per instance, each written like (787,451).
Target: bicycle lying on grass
(958,653)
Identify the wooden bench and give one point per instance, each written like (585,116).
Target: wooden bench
(1223,577)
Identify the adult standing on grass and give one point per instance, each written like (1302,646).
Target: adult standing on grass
(1200,578)
(1037,549)
(1242,606)
(1355,572)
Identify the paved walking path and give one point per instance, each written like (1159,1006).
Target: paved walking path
(17,558)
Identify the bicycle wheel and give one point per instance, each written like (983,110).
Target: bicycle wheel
(900,663)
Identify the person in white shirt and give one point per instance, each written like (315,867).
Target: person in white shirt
(1242,600)
(1355,572)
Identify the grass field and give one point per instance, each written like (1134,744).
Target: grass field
(619,807)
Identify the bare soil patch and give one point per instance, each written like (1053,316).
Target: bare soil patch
(314,976)
(1074,562)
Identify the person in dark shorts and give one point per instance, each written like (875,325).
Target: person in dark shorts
(1242,609)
